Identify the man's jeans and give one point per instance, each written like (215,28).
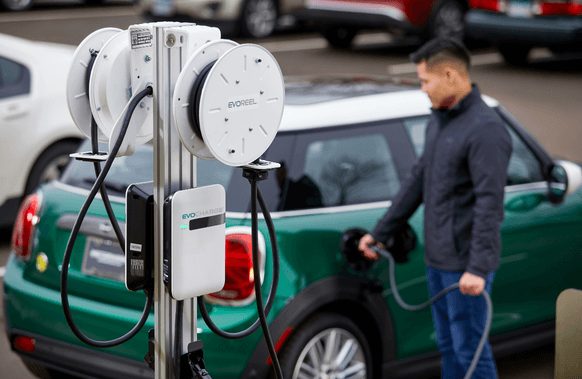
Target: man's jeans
(459,322)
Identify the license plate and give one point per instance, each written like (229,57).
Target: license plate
(104,259)
(519,8)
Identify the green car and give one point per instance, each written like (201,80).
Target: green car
(345,145)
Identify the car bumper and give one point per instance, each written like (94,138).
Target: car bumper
(35,311)
(362,15)
(532,31)
(80,361)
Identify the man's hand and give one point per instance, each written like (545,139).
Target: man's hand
(471,284)
(364,247)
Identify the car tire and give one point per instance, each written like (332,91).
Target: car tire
(312,338)
(16,5)
(259,18)
(339,37)
(50,164)
(515,55)
(448,20)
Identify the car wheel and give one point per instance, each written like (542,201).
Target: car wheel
(514,54)
(259,18)
(50,164)
(16,5)
(339,37)
(328,346)
(448,20)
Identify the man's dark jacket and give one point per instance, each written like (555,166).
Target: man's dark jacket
(461,178)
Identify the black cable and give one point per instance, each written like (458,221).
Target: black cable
(75,231)
(271,297)
(96,165)
(443,292)
(256,268)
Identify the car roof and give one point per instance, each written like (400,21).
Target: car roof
(334,102)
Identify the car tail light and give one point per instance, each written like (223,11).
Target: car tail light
(239,281)
(489,5)
(24,344)
(24,226)
(559,7)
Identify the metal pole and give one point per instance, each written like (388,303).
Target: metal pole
(174,169)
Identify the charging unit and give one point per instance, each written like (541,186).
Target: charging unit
(139,235)
(209,98)
(194,257)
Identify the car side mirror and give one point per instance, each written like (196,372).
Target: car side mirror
(565,178)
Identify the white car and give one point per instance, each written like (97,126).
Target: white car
(252,18)
(36,130)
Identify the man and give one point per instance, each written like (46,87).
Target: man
(460,178)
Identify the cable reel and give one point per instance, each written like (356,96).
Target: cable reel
(228,102)
(113,82)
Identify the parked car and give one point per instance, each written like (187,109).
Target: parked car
(346,147)
(251,18)
(22,5)
(516,27)
(36,131)
(341,20)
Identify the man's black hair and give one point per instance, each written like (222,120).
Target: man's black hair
(440,49)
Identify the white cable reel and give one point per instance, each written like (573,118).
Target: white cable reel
(112,85)
(77,96)
(228,102)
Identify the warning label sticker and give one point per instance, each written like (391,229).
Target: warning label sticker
(141,38)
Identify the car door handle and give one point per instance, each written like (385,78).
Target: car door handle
(525,203)
(14,111)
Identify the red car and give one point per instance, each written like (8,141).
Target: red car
(340,20)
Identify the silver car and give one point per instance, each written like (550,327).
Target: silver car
(252,18)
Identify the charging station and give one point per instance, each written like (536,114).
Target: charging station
(195,96)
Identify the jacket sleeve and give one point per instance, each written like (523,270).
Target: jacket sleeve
(488,158)
(404,204)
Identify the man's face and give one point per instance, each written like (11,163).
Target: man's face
(435,83)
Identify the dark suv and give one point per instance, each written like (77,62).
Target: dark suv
(516,26)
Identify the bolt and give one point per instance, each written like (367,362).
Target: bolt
(237,82)
(171,40)
(262,92)
(98,109)
(231,151)
(250,129)
(147,58)
(142,105)
(105,56)
(226,119)
(258,60)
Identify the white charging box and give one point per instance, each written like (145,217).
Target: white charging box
(194,252)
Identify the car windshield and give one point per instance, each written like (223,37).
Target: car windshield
(138,168)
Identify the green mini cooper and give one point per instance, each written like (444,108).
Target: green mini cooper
(345,147)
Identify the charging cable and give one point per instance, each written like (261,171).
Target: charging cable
(98,186)
(438,296)
(253,176)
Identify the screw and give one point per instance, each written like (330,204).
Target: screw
(142,105)
(237,82)
(105,56)
(258,60)
(98,109)
(231,151)
(171,40)
(262,92)
(147,58)
(226,119)
(250,129)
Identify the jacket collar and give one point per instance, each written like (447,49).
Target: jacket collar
(461,106)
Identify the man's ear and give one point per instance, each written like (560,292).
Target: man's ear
(451,75)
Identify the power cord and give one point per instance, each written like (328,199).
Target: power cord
(253,176)
(438,296)
(97,186)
